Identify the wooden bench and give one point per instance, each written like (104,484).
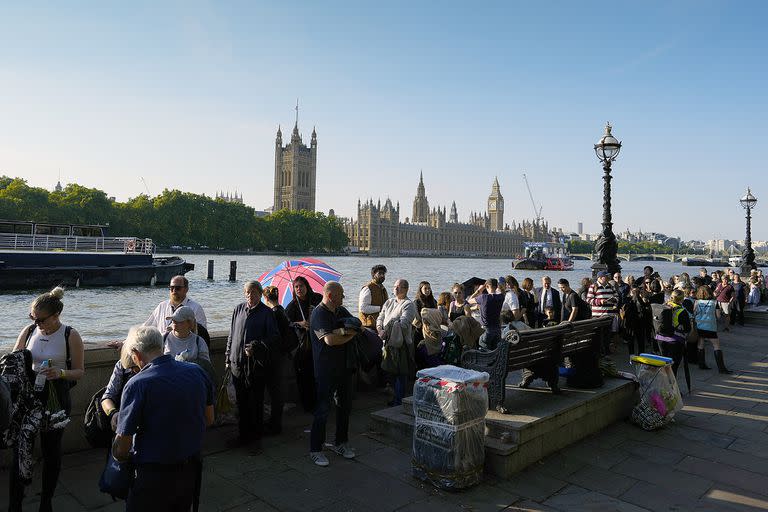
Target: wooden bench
(542,349)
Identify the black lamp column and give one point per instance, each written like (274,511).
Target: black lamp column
(606,246)
(748,202)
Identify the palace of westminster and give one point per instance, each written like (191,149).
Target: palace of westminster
(379,230)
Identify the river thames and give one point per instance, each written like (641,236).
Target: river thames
(102,314)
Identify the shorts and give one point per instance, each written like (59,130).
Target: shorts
(725,307)
(711,335)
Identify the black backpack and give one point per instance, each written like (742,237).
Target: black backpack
(97,426)
(663,319)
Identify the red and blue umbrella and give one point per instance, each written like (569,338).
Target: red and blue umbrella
(315,271)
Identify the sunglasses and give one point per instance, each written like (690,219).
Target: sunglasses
(173,288)
(39,321)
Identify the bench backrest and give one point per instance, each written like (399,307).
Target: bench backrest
(547,343)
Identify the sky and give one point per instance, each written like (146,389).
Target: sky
(189,95)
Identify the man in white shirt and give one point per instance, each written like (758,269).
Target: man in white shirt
(177,297)
(394,327)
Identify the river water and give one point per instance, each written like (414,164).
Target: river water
(102,314)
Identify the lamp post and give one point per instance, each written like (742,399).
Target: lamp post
(606,247)
(748,202)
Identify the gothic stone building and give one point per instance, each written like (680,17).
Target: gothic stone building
(295,172)
(378,230)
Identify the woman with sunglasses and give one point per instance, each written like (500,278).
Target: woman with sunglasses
(47,339)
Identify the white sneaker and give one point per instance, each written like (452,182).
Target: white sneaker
(344,450)
(319,459)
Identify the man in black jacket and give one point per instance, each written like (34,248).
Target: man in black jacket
(253,338)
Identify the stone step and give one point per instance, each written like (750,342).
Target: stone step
(539,423)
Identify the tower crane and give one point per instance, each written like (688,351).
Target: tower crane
(146,187)
(536,212)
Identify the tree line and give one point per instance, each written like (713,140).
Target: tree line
(174,218)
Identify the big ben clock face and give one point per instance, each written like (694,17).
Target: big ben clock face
(492,205)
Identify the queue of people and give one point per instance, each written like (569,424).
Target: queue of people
(165,365)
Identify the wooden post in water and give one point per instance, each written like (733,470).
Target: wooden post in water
(210,270)
(232,271)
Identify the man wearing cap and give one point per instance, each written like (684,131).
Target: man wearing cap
(160,317)
(184,344)
(164,412)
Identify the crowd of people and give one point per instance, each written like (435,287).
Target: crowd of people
(160,397)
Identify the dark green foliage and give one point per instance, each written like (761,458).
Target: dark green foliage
(175,218)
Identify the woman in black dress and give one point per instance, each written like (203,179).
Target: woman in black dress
(298,311)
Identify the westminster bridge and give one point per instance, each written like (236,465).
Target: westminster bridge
(640,257)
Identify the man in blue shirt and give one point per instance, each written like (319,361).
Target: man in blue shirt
(164,412)
(254,340)
(329,350)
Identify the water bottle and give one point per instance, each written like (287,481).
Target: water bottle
(40,379)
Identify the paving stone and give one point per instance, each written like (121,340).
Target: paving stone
(646,451)
(223,493)
(721,473)
(557,466)
(532,484)
(251,506)
(653,497)
(601,480)
(577,498)
(530,506)
(594,456)
(751,447)
(664,477)
(724,497)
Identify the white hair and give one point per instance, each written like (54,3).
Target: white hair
(144,339)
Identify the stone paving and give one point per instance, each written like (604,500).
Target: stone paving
(714,457)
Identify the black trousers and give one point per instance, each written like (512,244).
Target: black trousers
(249,393)
(165,488)
(675,351)
(50,444)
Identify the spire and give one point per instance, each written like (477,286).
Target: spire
(496,184)
(296,126)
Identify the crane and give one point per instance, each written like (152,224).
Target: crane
(536,212)
(145,186)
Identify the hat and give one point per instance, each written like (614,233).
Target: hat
(603,274)
(181,314)
(502,280)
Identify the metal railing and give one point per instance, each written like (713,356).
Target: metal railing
(43,243)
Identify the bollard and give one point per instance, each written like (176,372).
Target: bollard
(233,271)
(210,270)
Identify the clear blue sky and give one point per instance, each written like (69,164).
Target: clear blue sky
(189,95)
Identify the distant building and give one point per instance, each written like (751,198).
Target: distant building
(379,231)
(58,187)
(295,172)
(580,228)
(234,198)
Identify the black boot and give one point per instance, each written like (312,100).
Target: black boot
(720,363)
(702,362)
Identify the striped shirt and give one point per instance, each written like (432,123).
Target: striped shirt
(603,299)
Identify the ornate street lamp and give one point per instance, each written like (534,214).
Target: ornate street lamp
(606,247)
(748,202)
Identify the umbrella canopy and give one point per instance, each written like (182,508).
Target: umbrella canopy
(315,271)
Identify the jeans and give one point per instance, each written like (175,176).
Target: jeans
(160,487)
(399,382)
(326,386)
(489,340)
(50,444)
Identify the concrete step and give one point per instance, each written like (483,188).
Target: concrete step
(539,423)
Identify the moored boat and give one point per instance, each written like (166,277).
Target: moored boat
(544,256)
(43,255)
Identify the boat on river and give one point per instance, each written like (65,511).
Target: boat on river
(44,255)
(544,256)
